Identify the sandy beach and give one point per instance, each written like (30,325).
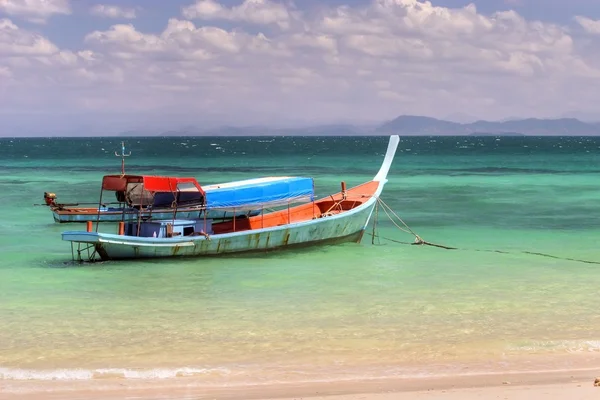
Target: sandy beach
(574,385)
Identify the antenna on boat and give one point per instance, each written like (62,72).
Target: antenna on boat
(122,155)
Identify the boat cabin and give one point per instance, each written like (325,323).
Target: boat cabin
(135,192)
(251,194)
(169,228)
(154,191)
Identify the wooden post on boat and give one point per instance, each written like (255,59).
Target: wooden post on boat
(139,221)
(121,230)
(344,190)
(98,210)
(89,226)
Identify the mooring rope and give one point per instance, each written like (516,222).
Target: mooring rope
(419,241)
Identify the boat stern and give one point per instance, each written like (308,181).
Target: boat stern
(85,246)
(81,236)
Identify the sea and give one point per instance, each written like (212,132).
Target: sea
(518,291)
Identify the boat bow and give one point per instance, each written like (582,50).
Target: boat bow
(381,176)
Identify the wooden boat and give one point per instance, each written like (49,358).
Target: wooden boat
(190,205)
(342,217)
(129,208)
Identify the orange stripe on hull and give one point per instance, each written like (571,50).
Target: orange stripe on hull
(333,204)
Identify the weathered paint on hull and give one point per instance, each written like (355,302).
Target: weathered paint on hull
(116,216)
(344,227)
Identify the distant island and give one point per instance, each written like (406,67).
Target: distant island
(416,125)
(404,125)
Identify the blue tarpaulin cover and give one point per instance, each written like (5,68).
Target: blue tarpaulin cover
(260,192)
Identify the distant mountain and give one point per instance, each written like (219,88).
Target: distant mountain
(461,118)
(415,125)
(405,125)
(582,116)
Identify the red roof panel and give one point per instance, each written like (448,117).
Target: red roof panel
(151,183)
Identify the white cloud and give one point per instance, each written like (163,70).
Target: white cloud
(180,41)
(34,61)
(108,11)
(15,42)
(589,25)
(262,12)
(362,63)
(37,11)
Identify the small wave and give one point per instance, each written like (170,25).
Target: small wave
(568,346)
(508,170)
(105,373)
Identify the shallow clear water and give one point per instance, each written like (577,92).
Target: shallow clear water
(323,313)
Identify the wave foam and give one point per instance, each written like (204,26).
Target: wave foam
(569,346)
(105,373)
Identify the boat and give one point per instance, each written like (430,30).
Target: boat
(133,204)
(159,206)
(338,218)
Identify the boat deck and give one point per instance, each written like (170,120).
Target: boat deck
(331,205)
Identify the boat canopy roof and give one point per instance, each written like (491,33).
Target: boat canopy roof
(247,194)
(151,183)
(260,192)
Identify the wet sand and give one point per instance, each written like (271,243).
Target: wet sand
(556,385)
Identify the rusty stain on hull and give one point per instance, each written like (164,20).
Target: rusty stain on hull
(355,238)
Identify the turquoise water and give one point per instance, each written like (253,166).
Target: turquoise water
(335,312)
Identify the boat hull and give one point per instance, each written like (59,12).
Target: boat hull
(332,229)
(68,215)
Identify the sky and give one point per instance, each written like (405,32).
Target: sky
(99,67)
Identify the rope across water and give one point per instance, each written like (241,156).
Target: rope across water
(420,242)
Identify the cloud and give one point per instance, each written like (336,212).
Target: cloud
(589,25)
(36,11)
(366,62)
(33,61)
(180,41)
(262,12)
(103,10)
(15,42)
